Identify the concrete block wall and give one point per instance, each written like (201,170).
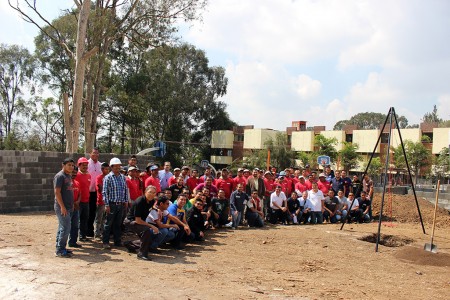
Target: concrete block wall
(430,195)
(26,178)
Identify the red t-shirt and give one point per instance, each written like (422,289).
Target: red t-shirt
(308,185)
(324,186)
(270,186)
(99,188)
(84,181)
(192,183)
(240,180)
(76,190)
(144,176)
(153,181)
(227,185)
(301,187)
(289,186)
(284,187)
(172,180)
(134,186)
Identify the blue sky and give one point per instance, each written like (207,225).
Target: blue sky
(314,60)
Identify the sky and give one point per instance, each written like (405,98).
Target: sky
(318,61)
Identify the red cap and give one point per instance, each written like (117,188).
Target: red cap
(82,160)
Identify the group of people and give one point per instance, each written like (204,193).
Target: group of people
(97,200)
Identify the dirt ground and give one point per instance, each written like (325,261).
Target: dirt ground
(277,262)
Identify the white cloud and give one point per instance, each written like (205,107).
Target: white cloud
(306,87)
(443,107)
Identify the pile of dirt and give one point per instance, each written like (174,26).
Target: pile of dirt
(387,240)
(422,257)
(402,208)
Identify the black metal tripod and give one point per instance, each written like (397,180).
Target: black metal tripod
(390,116)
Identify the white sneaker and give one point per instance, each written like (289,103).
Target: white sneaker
(229,225)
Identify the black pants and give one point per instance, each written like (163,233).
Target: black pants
(277,215)
(355,215)
(92,210)
(84,214)
(144,233)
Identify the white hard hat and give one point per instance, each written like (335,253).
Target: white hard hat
(114,161)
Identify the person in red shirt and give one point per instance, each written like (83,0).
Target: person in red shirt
(281,181)
(134,184)
(193,181)
(75,221)
(269,184)
(174,178)
(100,212)
(225,183)
(240,178)
(295,178)
(154,179)
(289,183)
(300,186)
(146,174)
(323,184)
(84,180)
(206,175)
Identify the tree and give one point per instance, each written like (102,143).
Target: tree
(326,146)
(16,73)
(432,117)
(369,120)
(308,158)
(142,23)
(348,156)
(374,168)
(280,155)
(442,163)
(419,157)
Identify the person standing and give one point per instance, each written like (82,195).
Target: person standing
(95,169)
(165,175)
(84,181)
(238,201)
(100,213)
(62,184)
(75,222)
(115,194)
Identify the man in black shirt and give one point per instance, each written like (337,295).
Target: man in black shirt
(177,188)
(196,220)
(295,213)
(365,208)
(356,186)
(220,210)
(331,205)
(238,200)
(135,222)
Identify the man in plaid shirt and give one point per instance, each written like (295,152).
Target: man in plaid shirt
(115,195)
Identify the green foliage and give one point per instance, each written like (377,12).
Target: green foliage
(432,117)
(309,158)
(17,67)
(369,120)
(419,157)
(375,167)
(349,157)
(442,162)
(326,146)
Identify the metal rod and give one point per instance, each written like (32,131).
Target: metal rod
(391,112)
(367,167)
(409,171)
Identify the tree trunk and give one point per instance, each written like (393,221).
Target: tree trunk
(73,131)
(88,134)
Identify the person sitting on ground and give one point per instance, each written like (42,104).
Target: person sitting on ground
(316,204)
(196,220)
(238,200)
(254,213)
(341,212)
(135,222)
(159,217)
(331,206)
(303,201)
(188,204)
(177,210)
(365,208)
(220,210)
(294,211)
(354,213)
(278,206)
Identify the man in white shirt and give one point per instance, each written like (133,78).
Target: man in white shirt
(315,204)
(353,208)
(278,205)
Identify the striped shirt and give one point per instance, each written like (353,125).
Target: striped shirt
(115,189)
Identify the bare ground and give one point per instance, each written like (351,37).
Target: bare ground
(278,262)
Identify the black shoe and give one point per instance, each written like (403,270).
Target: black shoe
(76,245)
(119,244)
(154,250)
(83,239)
(143,257)
(178,247)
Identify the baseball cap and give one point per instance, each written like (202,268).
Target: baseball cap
(154,167)
(240,169)
(105,165)
(322,175)
(82,160)
(176,169)
(132,168)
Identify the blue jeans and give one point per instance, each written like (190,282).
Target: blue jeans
(158,239)
(236,218)
(113,221)
(74,227)
(63,232)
